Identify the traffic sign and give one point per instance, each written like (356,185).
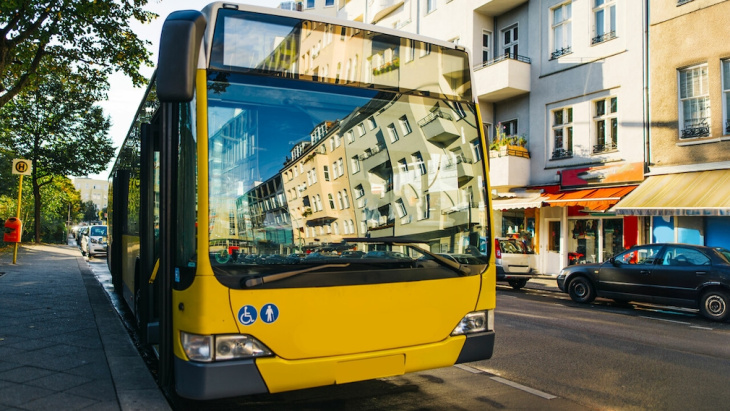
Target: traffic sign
(21,167)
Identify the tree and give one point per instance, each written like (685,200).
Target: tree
(57,126)
(39,36)
(90,211)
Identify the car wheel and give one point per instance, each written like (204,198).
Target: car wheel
(581,290)
(517,284)
(714,305)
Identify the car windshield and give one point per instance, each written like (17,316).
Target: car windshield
(98,231)
(724,252)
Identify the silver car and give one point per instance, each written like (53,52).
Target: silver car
(95,241)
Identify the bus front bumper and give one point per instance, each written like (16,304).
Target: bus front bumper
(205,381)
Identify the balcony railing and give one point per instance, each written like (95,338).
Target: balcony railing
(561,52)
(433,116)
(504,57)
(604,37)
(696,128)
(560,153)
(603,148)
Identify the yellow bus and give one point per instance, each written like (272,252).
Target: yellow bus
(281,204)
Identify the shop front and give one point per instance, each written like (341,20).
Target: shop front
(691,207)
(578,229)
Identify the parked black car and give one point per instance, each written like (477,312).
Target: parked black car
(670,274)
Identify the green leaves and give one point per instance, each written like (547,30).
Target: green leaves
(38,37)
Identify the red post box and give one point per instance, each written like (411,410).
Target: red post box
(13,229)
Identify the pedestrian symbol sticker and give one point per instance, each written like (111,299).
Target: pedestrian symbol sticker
(269,313)
(247,315)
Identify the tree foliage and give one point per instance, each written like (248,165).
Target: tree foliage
(57,126)
(94,37)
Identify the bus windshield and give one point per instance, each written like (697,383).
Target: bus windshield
(301,165)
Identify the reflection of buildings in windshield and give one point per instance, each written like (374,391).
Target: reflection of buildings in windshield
(400,165)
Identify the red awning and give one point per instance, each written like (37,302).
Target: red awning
(595,199)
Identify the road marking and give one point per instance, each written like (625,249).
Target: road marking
(524,388)
(665,320)
(493,376)
(701,328)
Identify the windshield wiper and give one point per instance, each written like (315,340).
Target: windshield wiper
(412,242)
(253,282)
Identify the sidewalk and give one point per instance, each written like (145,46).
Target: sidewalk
(62,344)
(544,282)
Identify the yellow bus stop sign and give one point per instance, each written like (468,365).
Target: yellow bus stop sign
(21,167)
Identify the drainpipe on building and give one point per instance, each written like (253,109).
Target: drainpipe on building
(647,116)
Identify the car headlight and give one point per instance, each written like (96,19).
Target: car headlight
(227,347)
(475,322)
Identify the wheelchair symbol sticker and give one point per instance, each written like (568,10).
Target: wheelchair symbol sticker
(269,313)
(247,315)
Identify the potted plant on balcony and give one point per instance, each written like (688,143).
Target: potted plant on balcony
(504,145)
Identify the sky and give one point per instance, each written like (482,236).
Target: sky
(124,98)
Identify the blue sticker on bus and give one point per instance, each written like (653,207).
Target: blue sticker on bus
(247,315)
(269,313)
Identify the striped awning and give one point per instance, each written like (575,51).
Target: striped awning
(700,193)
(511,203)
(595,199)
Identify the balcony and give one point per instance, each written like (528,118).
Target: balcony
(438,127)
(374,157)
(504,77)
(509,171)
(496,7)
(379,9)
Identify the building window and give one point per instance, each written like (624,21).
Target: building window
(561,30)
(417,160)
(694,102)
(486,48)
(359,191)
(425,49)
(509,128)
(329,3)
(314,176)
(326,172)
(459,109)
(562,130)
(476,149)
(604,16)
(339,200)
(410,50)
(371,124)
(361,129)
(310,4)
(350,136)
(355,164)
(340,167)
(403,165)
(726,93)
(345,199)
(605,121)
(393,133)
(400,208)
(509,42)
(405,126)
(430,6)
(331,201)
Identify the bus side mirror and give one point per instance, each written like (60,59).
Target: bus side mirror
(180,40)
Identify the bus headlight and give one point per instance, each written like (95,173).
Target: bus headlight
(197,347)
(475,322)
(229,347)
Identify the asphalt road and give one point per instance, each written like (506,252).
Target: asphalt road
(606,356)
(551,354)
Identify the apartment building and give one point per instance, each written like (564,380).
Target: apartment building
(686,196)
(96,191)
(562,93)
